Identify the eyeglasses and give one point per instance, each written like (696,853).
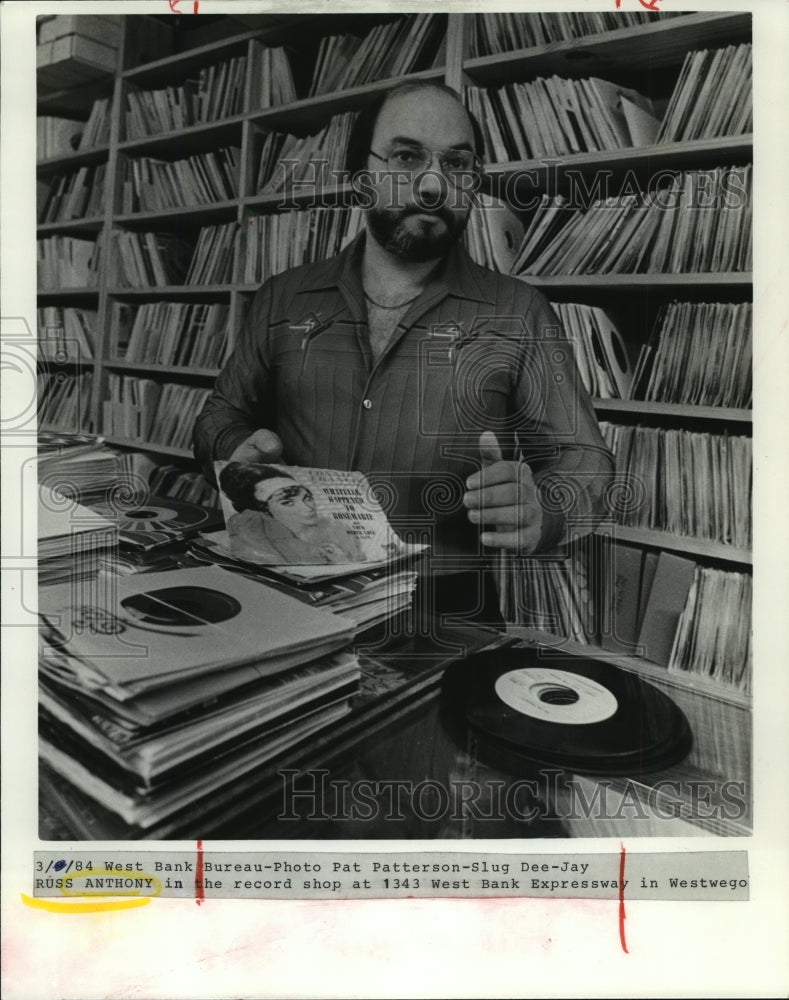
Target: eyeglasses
(456,164)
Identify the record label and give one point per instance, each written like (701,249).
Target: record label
(142,518)
(555,696)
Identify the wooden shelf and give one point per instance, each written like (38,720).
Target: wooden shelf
(177,292)
(140,366)
(639,282)
(677,543)
(535,174)
(218,211)
(156,449)
(93,225)
(151,74)
(275,33)
(634,664)
(73,161)
(77,100)
(48,295)
(329,194)
(43,361)
(192,139)
(681,410)
(653,46)
(314,112)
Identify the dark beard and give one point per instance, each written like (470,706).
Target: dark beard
(390,232)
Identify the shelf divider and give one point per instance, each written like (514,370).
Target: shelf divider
(677,543)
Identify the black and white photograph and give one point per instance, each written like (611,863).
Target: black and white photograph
(511,287)
(392,453)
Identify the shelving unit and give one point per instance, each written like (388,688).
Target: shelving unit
(645,59)
(650,55)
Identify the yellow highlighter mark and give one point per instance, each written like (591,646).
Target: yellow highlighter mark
(93,906)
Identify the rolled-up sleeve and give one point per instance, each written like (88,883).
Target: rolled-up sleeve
(557,431)
(242,400)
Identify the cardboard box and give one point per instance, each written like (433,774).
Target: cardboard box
(105,29)
(69,61)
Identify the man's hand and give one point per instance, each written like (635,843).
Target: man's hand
(502,496)
(262,446)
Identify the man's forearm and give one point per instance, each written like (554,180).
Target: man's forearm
(241,401)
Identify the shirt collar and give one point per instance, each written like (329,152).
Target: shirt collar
(459,275)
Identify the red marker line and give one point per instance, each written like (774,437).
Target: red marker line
(622,900)
(199,890)
(646,4)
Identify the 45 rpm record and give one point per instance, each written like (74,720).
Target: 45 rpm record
(580,714)
(160,521)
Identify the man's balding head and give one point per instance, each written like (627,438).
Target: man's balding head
(361,138)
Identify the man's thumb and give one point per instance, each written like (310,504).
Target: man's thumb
(489,448)
(267,443)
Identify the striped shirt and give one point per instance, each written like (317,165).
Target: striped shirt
(477,350)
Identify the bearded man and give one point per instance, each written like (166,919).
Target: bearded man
(451,386)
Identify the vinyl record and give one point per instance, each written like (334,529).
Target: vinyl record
(615,358)
(580,714)
(505,231)
(159,521)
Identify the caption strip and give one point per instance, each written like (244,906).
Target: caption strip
(707,876)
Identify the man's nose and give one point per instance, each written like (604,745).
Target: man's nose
(430,185)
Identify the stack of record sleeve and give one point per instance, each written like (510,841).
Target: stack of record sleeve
(71,538)
(162,692)
(364,598)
